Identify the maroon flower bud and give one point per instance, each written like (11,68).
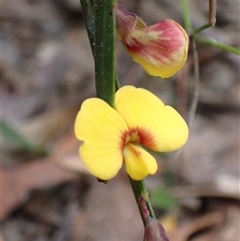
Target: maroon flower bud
(154,231)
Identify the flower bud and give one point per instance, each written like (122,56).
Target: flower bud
(161,49)
(154,231)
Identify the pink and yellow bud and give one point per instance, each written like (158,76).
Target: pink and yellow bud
(161,49)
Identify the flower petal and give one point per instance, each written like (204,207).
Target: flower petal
(160,49)
(160,127)
(138,162)
(126,22)
(100,128)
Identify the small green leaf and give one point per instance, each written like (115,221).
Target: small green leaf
(15,138)
(162,199)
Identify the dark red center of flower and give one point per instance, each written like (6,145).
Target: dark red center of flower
(138,135)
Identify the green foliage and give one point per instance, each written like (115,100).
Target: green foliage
(162,199)
(15,138)
(170,177)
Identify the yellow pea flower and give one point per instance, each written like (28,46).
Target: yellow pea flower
(161,49)
(113,136)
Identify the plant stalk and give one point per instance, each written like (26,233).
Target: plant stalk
(104,51)
(140,190)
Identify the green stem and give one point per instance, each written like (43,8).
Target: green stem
(200,29)
(139,189)
(89,18)
(104,52)
(186,16)
(88,15)
(99,18)
(215,44)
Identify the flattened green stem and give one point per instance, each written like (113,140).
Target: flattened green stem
(215,44)
(140,190)
(88,14)
(104,52)
(89,18)
(99,18)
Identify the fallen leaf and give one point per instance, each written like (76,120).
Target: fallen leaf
(183,232)
(62,166)
(110,213)
(16,183)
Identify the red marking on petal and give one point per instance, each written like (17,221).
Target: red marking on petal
(134,151)
(138,135)
(146,138)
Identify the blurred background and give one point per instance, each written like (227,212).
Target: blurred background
(47,70)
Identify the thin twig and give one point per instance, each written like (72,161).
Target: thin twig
(211,19)
(212,12)
(224,47)
(196,83)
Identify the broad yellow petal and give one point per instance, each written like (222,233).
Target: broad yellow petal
(160,127)
(138,162)
(100,128)
(171,130)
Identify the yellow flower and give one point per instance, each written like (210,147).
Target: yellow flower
(112,137)
(161,49)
